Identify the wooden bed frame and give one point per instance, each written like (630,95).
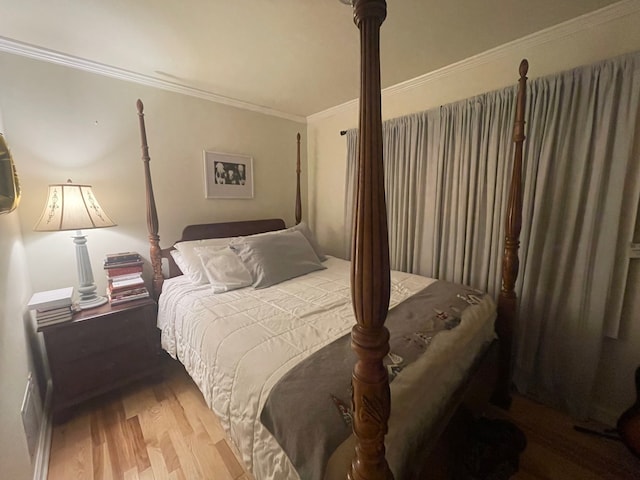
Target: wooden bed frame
(370,271)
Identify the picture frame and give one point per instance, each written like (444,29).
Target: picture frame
(227,175)
(9,183)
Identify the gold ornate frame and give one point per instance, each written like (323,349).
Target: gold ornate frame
(9,183)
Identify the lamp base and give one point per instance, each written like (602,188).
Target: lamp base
(92,303)
(87,288)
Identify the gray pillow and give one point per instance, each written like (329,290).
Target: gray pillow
(302,228)
(277,257)
(308,234)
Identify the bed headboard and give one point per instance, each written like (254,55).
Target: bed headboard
(231,229)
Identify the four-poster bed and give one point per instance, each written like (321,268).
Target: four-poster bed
(373,290)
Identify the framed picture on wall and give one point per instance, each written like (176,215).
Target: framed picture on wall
(227,175)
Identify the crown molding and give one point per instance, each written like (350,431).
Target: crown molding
(554,33)
(330,112)
(31,51)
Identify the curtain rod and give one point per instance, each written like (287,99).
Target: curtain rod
(343,132)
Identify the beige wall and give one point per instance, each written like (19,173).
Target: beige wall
(65,123)
(14,358)
(546,54)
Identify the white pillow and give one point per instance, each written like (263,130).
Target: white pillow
(193,265)
(179,259)
(223,269)
(277,257)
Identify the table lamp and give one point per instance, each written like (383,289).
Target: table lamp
(74,207)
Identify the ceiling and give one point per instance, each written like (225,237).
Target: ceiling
(296,57)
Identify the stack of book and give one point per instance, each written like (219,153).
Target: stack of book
(52,306)
(124,273)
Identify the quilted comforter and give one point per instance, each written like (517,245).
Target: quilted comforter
(237,345)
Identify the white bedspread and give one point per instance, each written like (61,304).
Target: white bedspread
(238,344)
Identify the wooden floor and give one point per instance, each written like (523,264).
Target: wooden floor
(164,430)
(555,450)
(151,430)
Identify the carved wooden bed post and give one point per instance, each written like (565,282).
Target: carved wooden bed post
(370,280)
(298,198)
(152,213)
(507,300)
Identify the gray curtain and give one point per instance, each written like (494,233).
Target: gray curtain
(445,186)
(447,173)
(582,133)
(474,158)
(350,184)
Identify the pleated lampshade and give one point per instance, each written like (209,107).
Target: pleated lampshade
(72,206)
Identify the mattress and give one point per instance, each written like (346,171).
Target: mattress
(237,345)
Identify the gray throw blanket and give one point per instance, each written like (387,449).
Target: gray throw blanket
(309,410)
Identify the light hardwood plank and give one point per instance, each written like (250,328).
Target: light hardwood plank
(136,400)
(147,474)
(230,461)
(178,413)
(185,455)
(120,454)
(169,453)
(139,445)
(156,459)
(76,449)
(208,456)
(131,474)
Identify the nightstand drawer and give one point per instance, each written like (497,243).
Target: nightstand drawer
(97,371)
(80,340)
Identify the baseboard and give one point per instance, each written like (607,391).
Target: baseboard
(41,463)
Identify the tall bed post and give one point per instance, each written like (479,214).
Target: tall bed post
(298,198)
(152,213)
(507,300)
(370,278)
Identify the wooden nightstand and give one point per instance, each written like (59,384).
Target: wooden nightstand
(101,349)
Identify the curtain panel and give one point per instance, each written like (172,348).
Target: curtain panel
(582,150)
(350,188)
(447,175)
(446,179)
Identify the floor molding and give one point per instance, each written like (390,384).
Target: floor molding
(41,462)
